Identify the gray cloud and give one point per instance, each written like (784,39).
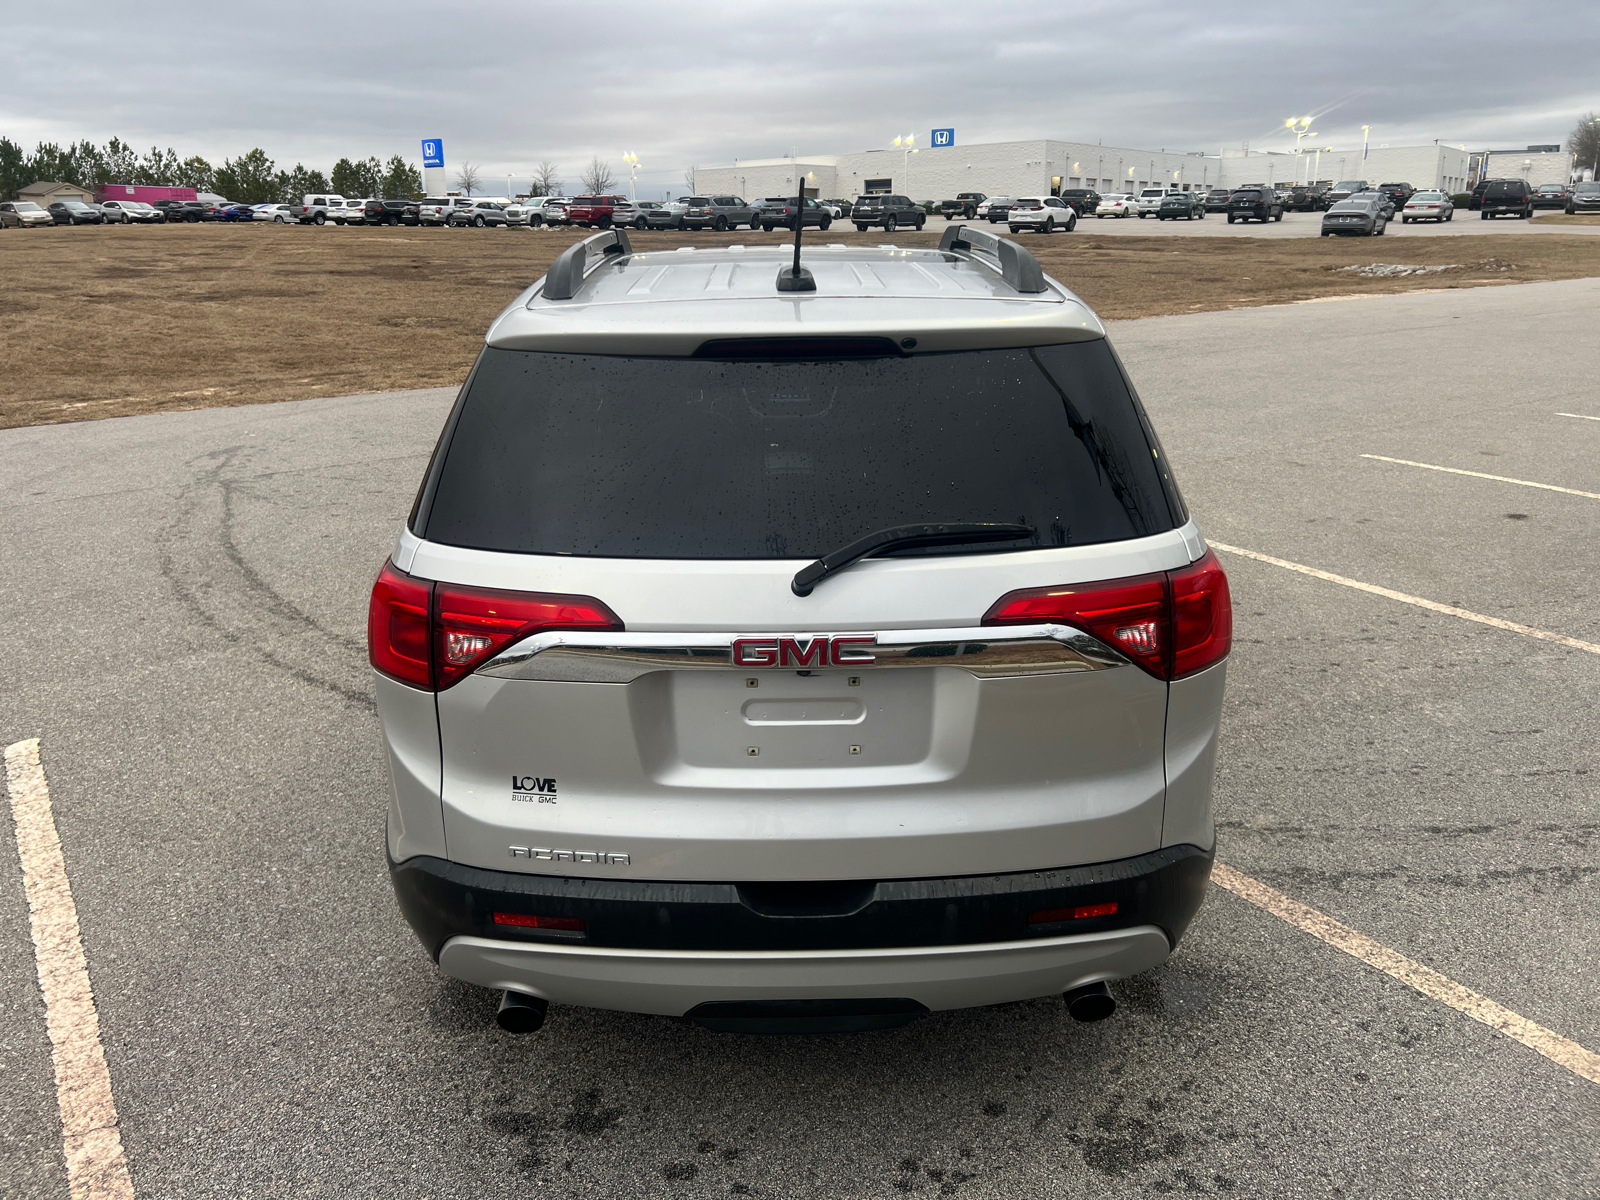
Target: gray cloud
(679,83)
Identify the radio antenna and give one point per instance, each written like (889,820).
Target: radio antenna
(797,278)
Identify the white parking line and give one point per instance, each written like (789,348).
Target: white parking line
(1578,1059)
(1580,416)
(1549,487)
(1544,635)
(96,1168)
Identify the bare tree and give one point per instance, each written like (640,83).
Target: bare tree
(1584,142)
(597,178)
(546,180)
(688,177)
(467,178)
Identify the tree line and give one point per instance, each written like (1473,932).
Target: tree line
(252,178)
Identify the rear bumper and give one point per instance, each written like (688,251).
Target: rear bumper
(672,982)
(665,947)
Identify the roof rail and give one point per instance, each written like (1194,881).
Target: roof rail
(566,274)
(1018,266)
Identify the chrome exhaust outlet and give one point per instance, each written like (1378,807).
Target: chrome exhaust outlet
(520,1012)
(1091,1002)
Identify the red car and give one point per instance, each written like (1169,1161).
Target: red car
(593,210)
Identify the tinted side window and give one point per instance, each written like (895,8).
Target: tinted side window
(695,458)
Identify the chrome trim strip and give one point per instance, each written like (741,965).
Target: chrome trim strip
(989,652)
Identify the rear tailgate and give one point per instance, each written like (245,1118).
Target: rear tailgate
(735,731)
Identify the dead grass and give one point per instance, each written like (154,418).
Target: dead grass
(102,322)
(1561,218)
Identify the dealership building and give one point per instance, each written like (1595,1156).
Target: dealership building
(1046,167)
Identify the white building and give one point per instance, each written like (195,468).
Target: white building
(1046,166)
(1536,164)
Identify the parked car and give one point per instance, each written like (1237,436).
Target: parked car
(1255,204)
(1042,214)
(1301,199)
(1217,200)
(75,212)
(1362,215)
(478,214)
(23,214)
(1116,204)
(1427,206)
(724,764)
(625,214)
(1344,189)
(834,211)
(433,210)
(785,214)
(278,214)
(392,212)
(320,209)
(355,212)
(1181,206)
(1504,196)
(1398,193)
(1149,201)
(963,208)
(992,210)
(1385,202)
(891,212)
(844,207)
(1585,197)
(233,213)
(591,212)
(544,210)
(718,213)
(1552,195)
(1083,200)
(135,212)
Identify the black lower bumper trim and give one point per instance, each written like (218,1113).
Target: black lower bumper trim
(442,900)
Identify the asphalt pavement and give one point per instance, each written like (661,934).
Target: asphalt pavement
(184,599)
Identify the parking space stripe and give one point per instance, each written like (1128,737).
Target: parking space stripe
(1548,487)
(1565,1052)
(96,1167)
(1544,635)
(1580,416)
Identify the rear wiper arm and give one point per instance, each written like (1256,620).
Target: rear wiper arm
(933,534)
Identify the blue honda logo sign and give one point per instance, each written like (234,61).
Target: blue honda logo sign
(432,153)
(944,137)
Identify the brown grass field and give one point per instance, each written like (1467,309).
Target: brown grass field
(102,322)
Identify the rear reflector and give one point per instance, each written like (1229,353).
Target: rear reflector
(432,635)
(528,921)
(1172,623)
(1047,915)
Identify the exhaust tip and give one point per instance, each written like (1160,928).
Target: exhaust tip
(1091,1002)
(521,1013)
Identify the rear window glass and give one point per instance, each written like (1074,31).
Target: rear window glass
(1249,195)
(1514,188)
(698,458)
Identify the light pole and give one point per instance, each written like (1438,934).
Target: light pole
(1365,130)
(1298,127)
(907,150)
(632,160)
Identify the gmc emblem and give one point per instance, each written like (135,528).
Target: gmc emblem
(818,650)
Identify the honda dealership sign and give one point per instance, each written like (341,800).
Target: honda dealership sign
(943,137)
(432,152)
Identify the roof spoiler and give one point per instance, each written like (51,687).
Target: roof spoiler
(566,274)
(1018,266)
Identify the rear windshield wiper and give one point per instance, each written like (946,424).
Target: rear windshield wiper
(933,534)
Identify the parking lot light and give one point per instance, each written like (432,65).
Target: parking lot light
(632,160)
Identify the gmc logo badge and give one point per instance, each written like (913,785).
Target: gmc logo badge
(818,650)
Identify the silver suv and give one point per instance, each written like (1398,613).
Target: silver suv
(799,653)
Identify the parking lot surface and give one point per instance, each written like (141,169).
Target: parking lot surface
(184,605)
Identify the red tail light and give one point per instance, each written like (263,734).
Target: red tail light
(471,625)
(397,627)
(431,635)
(1082,912)
(1172,623)
(528,921)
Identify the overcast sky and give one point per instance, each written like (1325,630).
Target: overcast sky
(677,82)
